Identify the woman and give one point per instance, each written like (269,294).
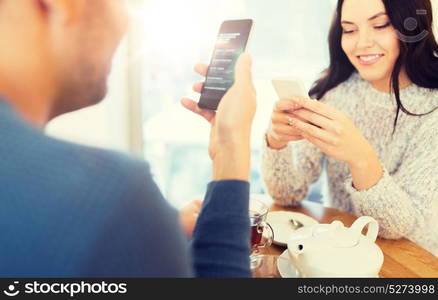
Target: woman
(376,122)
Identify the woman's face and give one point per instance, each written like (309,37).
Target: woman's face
(369,40)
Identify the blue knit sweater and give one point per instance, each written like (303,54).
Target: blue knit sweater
(74,211)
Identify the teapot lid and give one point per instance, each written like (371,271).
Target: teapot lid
(337,235)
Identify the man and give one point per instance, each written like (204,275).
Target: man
(74,211)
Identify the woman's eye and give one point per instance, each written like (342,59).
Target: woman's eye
(382,26)
(345,31)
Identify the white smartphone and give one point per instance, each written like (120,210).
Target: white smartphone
(288,87)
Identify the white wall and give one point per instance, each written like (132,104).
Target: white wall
(435,12)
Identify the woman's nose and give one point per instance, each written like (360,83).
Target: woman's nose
(366,39)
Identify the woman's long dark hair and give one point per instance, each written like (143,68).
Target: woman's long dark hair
(419,57)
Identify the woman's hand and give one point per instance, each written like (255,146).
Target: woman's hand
(335,134)
(280,131)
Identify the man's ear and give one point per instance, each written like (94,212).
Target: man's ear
(63,11)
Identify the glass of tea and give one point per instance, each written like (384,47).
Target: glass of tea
(262,234)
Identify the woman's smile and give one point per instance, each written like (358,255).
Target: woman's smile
(369,59)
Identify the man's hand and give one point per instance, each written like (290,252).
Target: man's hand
(188,216)
(231,124)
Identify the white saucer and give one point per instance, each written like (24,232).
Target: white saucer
(286,268)
(280,223)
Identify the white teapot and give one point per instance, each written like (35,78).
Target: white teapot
(333,250)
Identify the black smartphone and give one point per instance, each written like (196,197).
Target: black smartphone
(231,42)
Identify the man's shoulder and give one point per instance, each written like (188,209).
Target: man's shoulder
(96,164)
(39,159)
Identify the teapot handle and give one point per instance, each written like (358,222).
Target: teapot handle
(373,227)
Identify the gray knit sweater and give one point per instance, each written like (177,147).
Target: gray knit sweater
(405,200)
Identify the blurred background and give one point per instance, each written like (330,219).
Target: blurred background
(153,69)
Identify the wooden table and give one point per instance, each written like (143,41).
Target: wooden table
(403,258)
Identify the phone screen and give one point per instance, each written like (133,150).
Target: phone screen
(231,42)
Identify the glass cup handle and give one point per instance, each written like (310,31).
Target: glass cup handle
(270,235)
